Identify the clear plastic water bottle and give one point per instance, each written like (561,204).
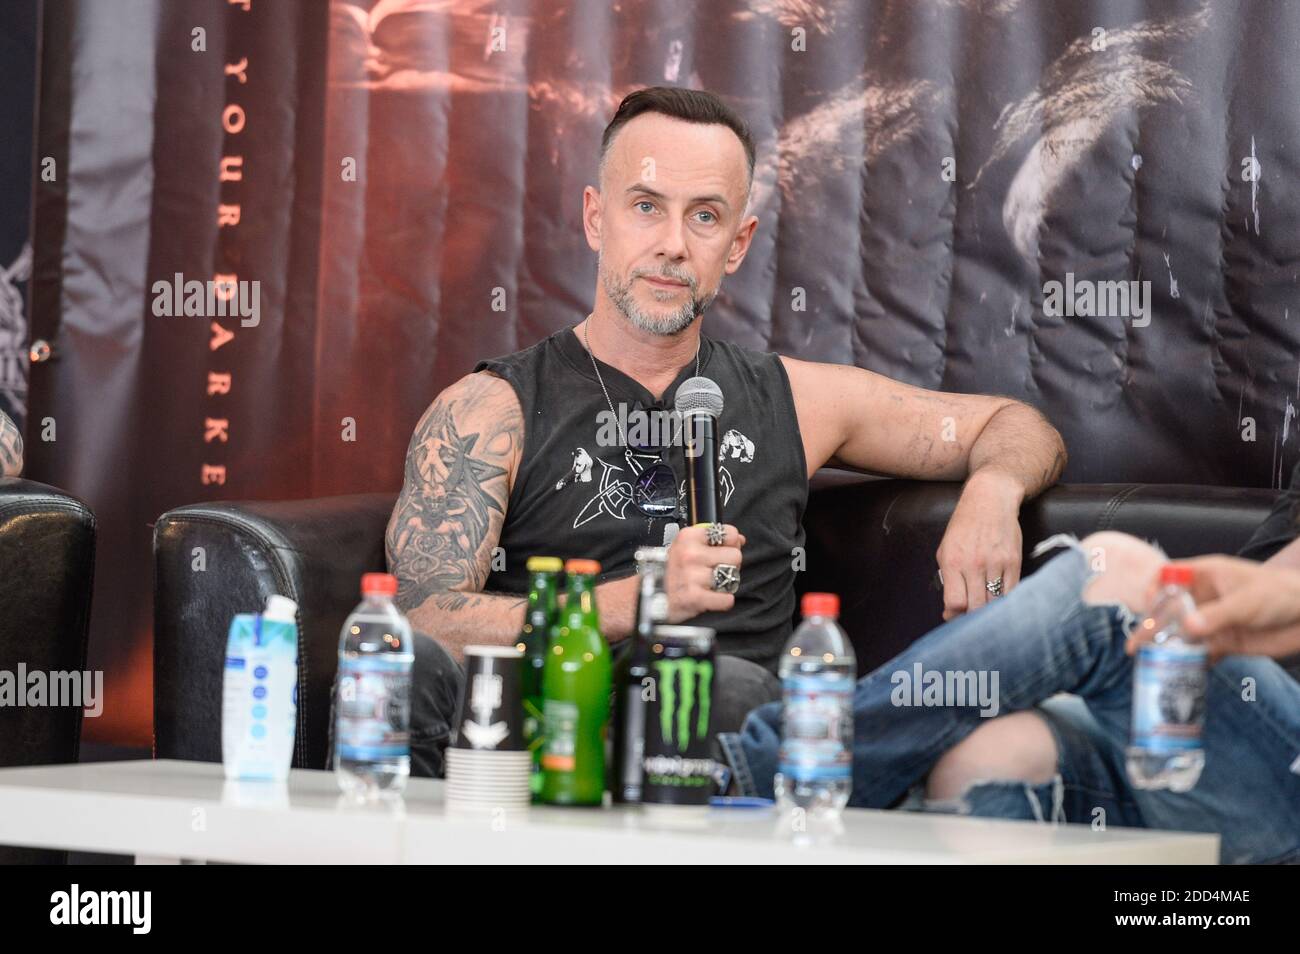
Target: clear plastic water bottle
(815,766)
(1169,683)
(372,730)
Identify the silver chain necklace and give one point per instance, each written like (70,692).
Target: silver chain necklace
(627,450)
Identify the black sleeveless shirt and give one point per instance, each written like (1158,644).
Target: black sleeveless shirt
(572,496)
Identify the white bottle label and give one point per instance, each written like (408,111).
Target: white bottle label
(259,699)
(816,727)
(1169,698)
(374,708)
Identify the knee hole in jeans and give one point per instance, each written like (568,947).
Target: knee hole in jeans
(1123,568)
(1013,748)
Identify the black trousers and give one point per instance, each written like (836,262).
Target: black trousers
(437,680)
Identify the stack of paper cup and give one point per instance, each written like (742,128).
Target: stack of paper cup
(488,763)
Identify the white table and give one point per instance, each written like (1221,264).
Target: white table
(167,811)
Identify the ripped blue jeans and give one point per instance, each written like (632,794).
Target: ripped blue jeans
(1042,640)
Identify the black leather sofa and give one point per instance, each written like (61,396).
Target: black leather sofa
(47,559)
(872,541)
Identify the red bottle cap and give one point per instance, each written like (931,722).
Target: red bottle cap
(1171,575)
(820,604)
(383,584)
(582,567)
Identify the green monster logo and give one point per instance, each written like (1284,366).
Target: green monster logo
(692,671)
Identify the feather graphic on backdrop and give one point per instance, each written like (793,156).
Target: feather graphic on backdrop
(992,8)
(408,44)
(856,124)
(1081,94)
(794,13)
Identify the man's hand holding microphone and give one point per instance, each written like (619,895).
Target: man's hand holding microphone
(704,559)
(693,567)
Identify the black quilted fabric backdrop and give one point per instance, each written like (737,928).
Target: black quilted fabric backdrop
(1110,140)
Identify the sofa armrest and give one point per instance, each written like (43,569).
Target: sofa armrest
(47,564)
(212,561)
(47,560)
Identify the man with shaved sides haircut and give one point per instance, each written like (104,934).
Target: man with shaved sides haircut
(519,454)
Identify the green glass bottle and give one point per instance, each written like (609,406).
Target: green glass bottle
(534,641)
(575,691)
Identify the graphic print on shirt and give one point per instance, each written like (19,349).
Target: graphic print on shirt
(579,470)
(735,446)
(613,494)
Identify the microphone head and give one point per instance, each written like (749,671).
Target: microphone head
(699,395)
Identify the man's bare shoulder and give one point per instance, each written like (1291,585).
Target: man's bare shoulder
(460,469)
(480,414)
(804,368)
(824,381)
(818,379)
(481,392)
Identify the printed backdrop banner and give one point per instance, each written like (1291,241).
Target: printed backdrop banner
(18,20)
(196,161)
(1088,206)
(948,191)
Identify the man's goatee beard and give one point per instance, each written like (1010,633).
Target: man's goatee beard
(677,322)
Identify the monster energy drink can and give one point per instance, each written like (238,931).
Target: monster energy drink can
(677,757)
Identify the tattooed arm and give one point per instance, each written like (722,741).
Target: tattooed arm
(460,467)
(11,448)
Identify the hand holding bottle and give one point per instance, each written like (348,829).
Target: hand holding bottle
(1243,608)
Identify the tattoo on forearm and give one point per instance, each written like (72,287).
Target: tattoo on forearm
(454,497)
(11,447)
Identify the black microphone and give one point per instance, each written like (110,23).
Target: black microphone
(699,402)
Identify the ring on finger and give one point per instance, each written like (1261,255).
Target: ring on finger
(994,587)
(726,578)
(716,534)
